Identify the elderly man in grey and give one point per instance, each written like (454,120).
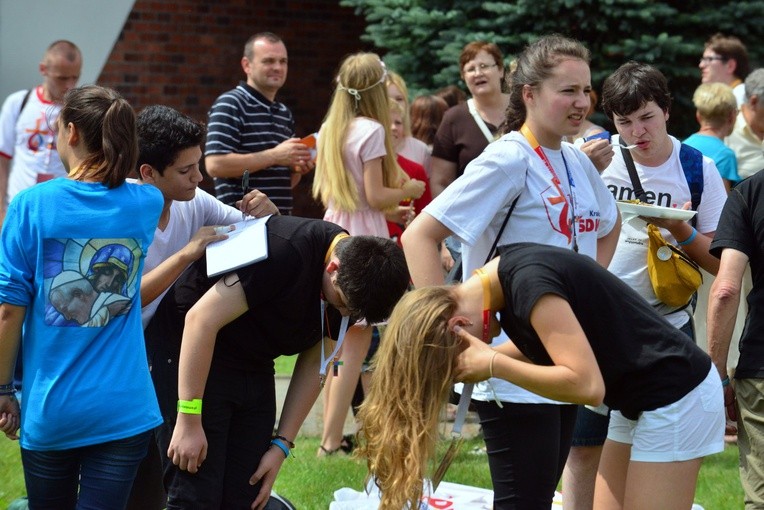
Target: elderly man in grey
(747,138)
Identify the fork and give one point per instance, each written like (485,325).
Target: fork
(627,147)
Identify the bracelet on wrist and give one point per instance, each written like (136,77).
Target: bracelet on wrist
(289,443)
(281,446)
(490,365)
(725,382)
(689,239)
(5,387)
(190,406)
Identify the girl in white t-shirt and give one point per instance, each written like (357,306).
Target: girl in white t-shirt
(357,179)
(559,200)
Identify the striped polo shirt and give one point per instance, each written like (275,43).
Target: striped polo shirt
(242,121)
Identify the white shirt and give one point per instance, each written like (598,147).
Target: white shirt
(186,218)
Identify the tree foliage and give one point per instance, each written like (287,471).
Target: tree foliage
(422,39)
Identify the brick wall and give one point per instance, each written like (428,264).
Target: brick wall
(185,53)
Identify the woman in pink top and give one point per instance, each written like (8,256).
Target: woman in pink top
(357,179)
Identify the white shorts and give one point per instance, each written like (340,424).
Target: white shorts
(690,428)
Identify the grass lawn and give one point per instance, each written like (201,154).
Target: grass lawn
(310,482)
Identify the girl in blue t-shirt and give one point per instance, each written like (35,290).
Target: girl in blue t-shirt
(70,263)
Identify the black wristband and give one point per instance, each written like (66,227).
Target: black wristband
(287,441)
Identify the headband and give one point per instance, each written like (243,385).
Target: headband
(356,93)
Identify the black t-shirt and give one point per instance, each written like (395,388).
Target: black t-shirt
(646,363)
(283,293)
(741,227)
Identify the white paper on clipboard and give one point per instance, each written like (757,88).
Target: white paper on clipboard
(246,244)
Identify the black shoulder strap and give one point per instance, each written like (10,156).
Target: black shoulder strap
(23,104)
(639,191)
(24,101)
(501,231)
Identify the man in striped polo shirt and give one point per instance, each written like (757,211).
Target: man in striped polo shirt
(248,130)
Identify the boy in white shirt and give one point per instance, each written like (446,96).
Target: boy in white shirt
(170,151)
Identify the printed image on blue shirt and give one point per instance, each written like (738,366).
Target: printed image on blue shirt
(89,282)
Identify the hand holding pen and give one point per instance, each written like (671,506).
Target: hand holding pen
(244,189)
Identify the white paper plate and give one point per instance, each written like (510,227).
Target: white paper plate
(654,211)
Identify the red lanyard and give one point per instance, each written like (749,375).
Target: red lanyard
(486,282)
(572,227)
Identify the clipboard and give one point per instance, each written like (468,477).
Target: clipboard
(246,244)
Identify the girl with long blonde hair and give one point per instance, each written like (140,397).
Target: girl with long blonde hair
(357,179)
(413,375)
(574,340)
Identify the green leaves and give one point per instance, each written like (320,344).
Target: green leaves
(422,39)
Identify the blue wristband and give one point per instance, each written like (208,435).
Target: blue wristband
(689,239)
(725,382)
(284,448)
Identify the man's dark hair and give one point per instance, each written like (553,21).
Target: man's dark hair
(162,133)
(731,48)
(372,274)
(631,87)
(249,50)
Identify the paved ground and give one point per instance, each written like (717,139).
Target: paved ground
(313,423)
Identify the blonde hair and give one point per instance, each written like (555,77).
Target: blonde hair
(715,103)
(395,107)
(396,79)
(413,374)
(358,93)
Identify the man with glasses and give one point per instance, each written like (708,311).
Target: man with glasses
(27,141)
(249,130)
(725,60)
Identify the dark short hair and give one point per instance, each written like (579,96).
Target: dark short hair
(731,48)
(66,49)
(249,50)
(162,133)
(372,274)
(631,87)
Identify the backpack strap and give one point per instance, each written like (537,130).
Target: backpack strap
(692,165)
(24,101)
(23,104)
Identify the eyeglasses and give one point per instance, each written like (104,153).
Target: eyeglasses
(708,60)
(479,67)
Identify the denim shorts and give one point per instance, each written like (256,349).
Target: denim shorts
(591,428)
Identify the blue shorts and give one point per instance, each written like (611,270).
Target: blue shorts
(591,428)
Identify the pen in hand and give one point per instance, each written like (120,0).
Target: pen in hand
(244,190)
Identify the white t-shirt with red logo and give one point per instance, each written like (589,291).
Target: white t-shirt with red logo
(28,140)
